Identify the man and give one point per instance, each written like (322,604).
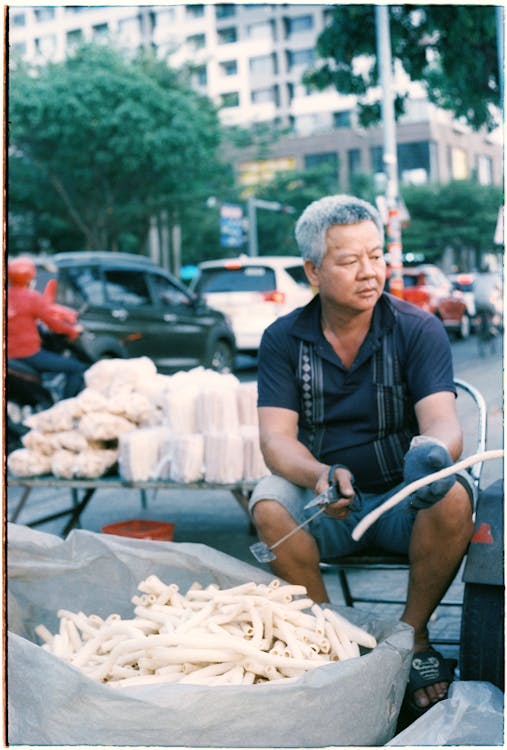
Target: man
(25,309)
(357,388)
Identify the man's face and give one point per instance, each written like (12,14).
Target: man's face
(352,273)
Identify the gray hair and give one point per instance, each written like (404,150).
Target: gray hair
(312,225)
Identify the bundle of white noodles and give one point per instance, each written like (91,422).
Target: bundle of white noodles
(251,633)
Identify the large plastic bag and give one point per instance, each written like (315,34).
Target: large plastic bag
(355,702)
(472,714)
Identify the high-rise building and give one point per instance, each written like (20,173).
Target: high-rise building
(249,59)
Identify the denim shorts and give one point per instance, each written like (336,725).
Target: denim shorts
(334,536)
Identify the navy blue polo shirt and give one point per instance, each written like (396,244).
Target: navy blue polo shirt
(362,416)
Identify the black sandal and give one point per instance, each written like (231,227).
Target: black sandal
(428,667)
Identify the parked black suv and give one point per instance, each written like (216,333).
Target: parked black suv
(130,308)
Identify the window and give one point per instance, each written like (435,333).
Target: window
(17,20)
(77,286)
(46,45)
(263,65)
(262,30)
(231,99)
(225,10)
(75,36)
(229,67)
(484,170)
(200,76)
(260,96)
(44,14)
(377,159)
(100,31)
(327,161)
(414,156)
(227,36)
(195,11)
(354,160)
(341,119)
(298,24)
(300,57)
(126,288)
(165,293)
(246,279)
(458,163)
(196,41)
(19,49)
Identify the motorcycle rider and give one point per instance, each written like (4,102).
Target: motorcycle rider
(25,308)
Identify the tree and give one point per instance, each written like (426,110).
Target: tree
(450,49)
(98,143)
(459,216)
(275,230)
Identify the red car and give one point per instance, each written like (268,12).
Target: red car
(427,287)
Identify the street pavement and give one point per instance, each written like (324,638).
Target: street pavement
(215,519)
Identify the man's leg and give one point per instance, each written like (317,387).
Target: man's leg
(439,540)
(46,361)
(297,559)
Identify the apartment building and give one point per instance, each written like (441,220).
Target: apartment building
(250,58)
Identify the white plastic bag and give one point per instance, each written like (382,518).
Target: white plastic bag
(355,702)
(472,714)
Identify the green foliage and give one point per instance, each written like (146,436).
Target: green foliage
(275,230)
(450,49)
(100,143)
(461,215)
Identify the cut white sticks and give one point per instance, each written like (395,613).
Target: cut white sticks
(244,635)
(365,523)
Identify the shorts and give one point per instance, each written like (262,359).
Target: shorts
(391,531)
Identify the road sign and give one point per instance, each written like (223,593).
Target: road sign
(231,225)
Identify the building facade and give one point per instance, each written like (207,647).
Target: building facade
(249,59)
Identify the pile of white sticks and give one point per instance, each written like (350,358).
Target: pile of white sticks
(251,633)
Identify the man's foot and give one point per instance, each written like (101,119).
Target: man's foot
(429,679)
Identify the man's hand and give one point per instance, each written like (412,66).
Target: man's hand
(425,456)
(346,492)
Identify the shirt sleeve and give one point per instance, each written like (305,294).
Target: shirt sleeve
(53,316)
(276,374)
(429,360)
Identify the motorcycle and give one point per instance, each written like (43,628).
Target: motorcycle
(27,389)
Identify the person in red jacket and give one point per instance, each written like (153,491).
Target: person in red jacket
(25,308)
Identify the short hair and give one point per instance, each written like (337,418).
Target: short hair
(312,225)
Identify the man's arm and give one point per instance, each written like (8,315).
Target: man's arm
(286,456)
(437,418)
(283,453)
(437,446)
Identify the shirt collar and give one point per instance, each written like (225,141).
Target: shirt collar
(307,327)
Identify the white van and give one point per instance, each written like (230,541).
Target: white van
(253,292)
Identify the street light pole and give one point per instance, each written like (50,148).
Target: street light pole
(394,246)
(253,204)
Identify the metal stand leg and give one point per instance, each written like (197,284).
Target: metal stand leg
(242,498)
(20,505)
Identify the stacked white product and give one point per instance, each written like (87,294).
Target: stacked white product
(254,466)
(185,427)
(139,452)
(223,457)
(187,458)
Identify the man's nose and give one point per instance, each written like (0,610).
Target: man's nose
(366,267)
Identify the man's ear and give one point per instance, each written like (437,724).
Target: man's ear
(312,274)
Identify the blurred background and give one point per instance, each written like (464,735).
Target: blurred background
(199,131)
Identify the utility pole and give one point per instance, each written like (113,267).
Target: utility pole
(394,247)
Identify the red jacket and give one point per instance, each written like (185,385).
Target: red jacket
(24,308)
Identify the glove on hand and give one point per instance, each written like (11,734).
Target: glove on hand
(425,456)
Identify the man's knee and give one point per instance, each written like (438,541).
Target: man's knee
(266,510)
(454,511)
